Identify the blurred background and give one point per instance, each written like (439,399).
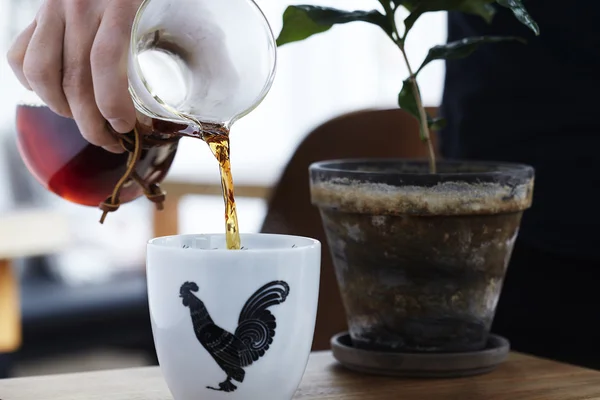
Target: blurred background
(83,300)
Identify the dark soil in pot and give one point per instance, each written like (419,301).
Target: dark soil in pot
(420,258)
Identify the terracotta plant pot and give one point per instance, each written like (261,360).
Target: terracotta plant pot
(420,258)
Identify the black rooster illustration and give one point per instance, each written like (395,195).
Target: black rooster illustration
(252,338)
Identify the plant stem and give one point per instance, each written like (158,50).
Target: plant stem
(422,112)
(399,41)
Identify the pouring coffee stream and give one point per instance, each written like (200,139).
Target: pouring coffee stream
(216,137)
(194,68)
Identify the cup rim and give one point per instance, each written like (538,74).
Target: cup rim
(306,243)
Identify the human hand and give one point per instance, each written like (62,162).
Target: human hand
(74,57)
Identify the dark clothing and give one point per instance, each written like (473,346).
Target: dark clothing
(549,307)
(535,104)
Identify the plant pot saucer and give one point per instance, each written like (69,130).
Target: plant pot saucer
(420,365)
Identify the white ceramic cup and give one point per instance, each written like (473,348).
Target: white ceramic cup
(233,324)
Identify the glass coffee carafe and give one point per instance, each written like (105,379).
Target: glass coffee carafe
(195,67)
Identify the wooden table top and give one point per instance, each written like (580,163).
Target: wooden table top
(520,378)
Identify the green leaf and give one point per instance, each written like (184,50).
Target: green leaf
(462,48)
(520,13)
(435,124)
(408,102)
(407,99)
(303,21)
(483,8)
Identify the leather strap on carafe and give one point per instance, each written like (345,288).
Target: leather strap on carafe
(152,191)
(131,143)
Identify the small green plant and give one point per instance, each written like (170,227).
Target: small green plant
(303,21)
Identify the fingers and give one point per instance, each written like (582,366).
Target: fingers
(109,60)
(82,22)
(16,53)
(43,61)
(74,56)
